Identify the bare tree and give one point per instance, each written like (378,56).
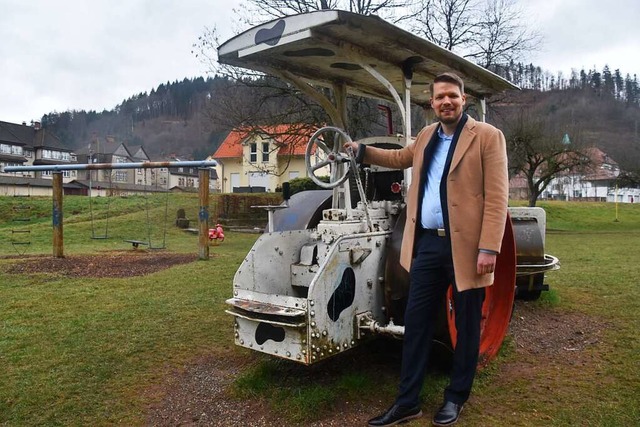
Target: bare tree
(503,36)
(539,151)
(489,32)
(252,12)
(452,24)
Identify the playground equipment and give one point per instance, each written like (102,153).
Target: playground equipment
(21,230)
(57,217)
(94,233)
(326,276)
(216,234)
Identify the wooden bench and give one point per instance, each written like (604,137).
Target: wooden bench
(136,243)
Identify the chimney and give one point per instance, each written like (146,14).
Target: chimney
(36,125)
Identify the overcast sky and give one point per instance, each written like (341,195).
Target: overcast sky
(92,54)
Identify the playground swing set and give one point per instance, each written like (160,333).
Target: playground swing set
(57,216)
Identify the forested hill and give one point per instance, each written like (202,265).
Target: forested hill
(190,118)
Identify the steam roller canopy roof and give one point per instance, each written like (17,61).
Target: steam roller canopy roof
(327,47)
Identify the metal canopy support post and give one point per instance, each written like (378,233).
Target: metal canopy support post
(203,215)
(483,109)
(58,241)
(341,197)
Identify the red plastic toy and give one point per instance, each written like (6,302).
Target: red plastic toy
(216,233)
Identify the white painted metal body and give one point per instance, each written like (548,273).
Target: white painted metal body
(297,295)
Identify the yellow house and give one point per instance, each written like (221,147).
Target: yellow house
(251,160)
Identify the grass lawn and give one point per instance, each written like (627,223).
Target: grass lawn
(78,351)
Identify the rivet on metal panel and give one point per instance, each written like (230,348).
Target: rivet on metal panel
(261,348)
(324,333)
(353,343)
(275,351)
(276,249)
(313,357)
(330,351)
(338,347)
(311,303)
(313,313)
(378,244)
(313,334)
(298,356)
(241,342)
(237,335)
(313,324)
(280,252)
(369,283)
(304,305)
(313,346)
(288,354)
(251,344)
(345,345)
(321,354)
(304,351)
(381,279)
(235,293)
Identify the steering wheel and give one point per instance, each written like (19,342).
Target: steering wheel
(330,153)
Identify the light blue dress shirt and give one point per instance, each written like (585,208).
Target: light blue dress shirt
(431,214)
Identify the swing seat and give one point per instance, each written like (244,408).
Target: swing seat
(136,243)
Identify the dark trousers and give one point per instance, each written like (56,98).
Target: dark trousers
(431,273)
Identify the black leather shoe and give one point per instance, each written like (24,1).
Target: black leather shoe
(395,415)
(448,414)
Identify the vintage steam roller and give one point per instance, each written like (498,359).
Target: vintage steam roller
(326,276)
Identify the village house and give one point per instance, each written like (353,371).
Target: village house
(260,161)
(32,145)
(595,183)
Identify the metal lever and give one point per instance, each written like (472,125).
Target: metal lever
(363,197)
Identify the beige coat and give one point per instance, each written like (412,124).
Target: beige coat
(477,192)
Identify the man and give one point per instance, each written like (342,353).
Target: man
(456,214)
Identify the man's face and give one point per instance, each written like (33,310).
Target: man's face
(447,102)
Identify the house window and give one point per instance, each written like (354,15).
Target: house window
(66,174)
(28,153)
(265,151)
(16,150)
(253,152)
(46,173)
(4,148)
(121,176)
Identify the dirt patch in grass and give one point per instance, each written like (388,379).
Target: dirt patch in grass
(200,393)
(109,264)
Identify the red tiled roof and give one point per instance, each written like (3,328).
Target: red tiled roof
(292,139)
